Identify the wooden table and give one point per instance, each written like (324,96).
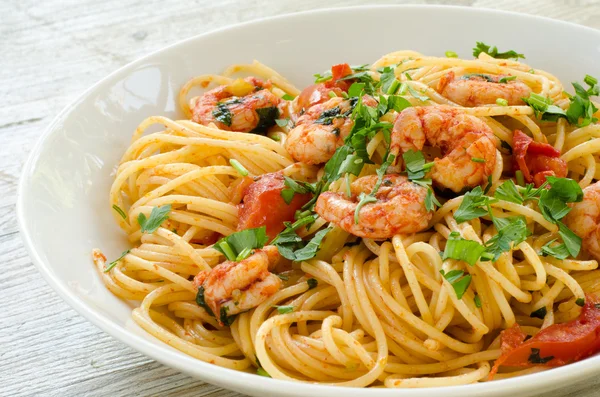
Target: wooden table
(52,52)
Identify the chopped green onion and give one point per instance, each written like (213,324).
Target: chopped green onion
(451,54)
(244,254)
(477,160)
(589,80)
(284,309)
(407,76)
(532,71)
(393,87)
(506,79)
(403,89)
(348,191)
(501,102)
(238,167)
(226,248)
(331,94)
(288,97)
(477,301)
(520,178)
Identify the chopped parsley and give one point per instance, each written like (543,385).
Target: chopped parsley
(535,358)
(539,313)
(239,245)
(119,211)
(463,250)
(312,283)
(581,109)
(266,119)
(223,114)
(114,263)
(477,301)
(494,53)
(459,281)
(293,187)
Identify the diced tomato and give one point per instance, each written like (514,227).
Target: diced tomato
(319,93)
(263,205)
(556,345)
(536,160)
(316,93)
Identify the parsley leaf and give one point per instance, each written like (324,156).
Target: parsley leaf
(243,241)
(570,239)
(493,52)
(458,282)
(544,107)
(508,192)
(261,371)
(292,247)
(463,250)
(293,187)
(114,263)
(559,251)
(157,217)
(512,230)
(472,205)
(370,198)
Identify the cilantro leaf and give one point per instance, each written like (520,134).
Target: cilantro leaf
(157,217)
(234,244)
(493,52)
(416,94)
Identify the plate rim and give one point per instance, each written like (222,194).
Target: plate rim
(238,379)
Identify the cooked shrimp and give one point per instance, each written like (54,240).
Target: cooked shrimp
(320,131)
(584,220)
(468,145)
(233,287)
(482,89)
(399,209)
(245,105)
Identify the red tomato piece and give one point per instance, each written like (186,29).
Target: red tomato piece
(536,160)
(319,93)
(262,205)
(556,345)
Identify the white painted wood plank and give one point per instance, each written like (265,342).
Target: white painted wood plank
(51,52)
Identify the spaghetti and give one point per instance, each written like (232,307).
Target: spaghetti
(422,308)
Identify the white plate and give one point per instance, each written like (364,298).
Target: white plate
(63,206)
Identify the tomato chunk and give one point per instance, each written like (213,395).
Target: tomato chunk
(536,160)
(262,205)
(556,345)
(319,93)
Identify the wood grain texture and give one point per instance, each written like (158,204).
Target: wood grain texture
(51,52)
